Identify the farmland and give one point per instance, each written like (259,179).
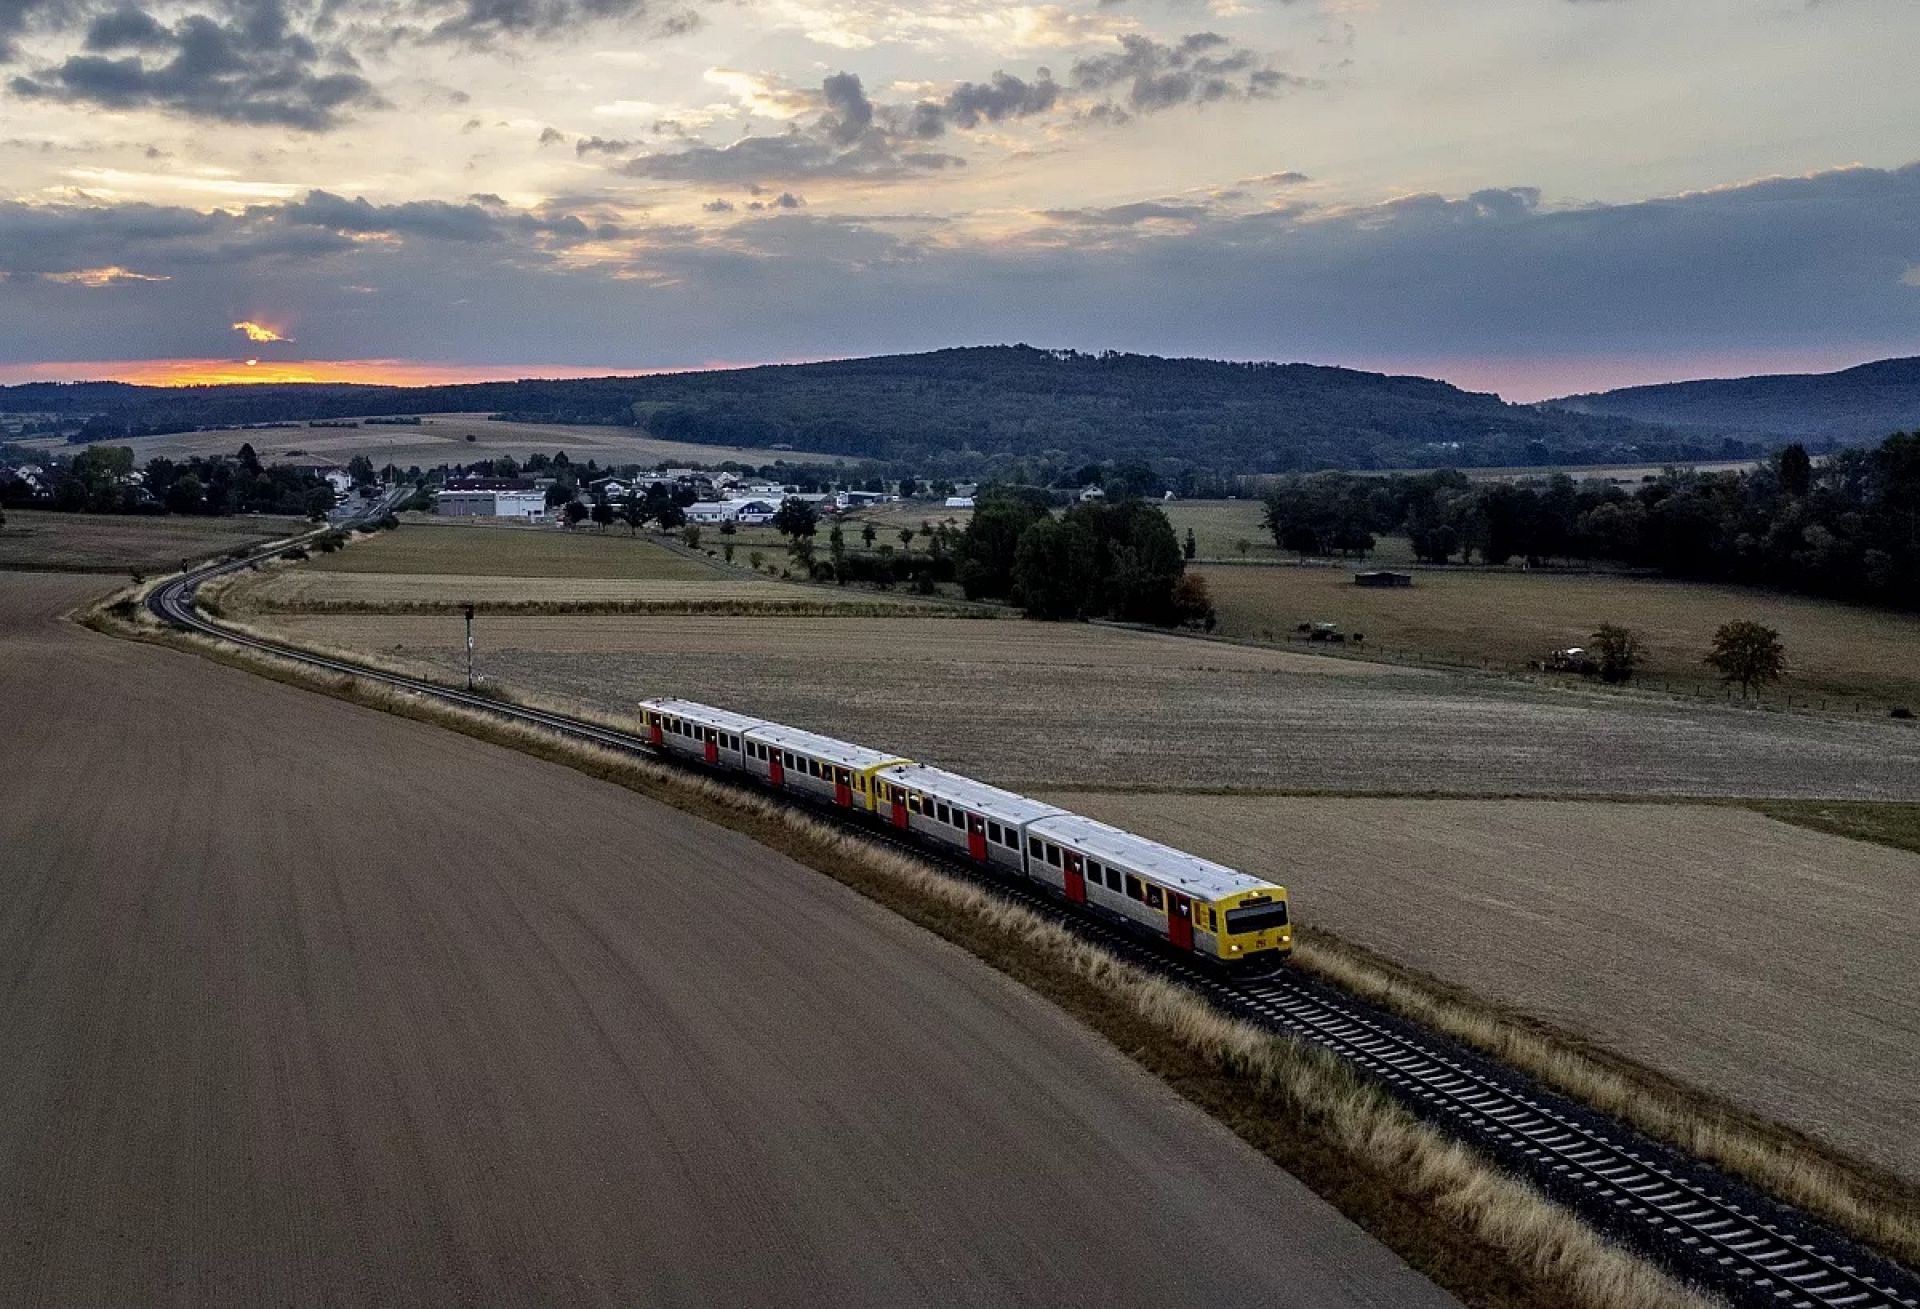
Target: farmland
(1777,966)
(305,1003)
(112,543)
(442,439)
(441,565)
(1033,704)
(1219,526)
(1505,618)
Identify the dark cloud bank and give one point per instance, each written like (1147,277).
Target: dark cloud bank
(1784,264)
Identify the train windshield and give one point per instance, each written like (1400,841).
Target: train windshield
(1257,918)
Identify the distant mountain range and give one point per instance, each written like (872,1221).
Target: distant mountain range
(1854,405)
(980,409)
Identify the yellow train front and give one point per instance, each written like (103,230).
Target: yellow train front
(1232,918)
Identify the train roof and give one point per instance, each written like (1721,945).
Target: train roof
(989,801)
(1171,867)
(844,753)
(704,714)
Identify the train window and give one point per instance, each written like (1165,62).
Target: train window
(1094,870)
(1155,900)
(993,833)
(940,812)
(1258,918)
(1053,855)
(1213,919)
(1134,888)
(1033,846)
(1113,878)
(913,801)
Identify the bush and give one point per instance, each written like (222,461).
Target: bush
(1900,711)
(295,553)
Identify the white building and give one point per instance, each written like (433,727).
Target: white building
(959,502)
(750,510)
(490,504)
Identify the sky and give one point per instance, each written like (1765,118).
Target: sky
(1534,197)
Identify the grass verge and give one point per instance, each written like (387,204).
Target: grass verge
(1487,1237)
(1883,822)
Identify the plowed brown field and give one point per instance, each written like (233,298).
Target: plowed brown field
(302,1003)
(1777,966)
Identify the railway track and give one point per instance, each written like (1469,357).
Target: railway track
(1705,1228)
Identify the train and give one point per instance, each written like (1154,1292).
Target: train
(1221,916)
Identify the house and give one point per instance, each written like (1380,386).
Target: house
(1089,494)
(332,474)
(1382,577)
(959,502)
(749,510)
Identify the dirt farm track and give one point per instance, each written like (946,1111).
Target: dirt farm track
(304,1003)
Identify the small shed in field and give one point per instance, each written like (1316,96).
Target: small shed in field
(1382,577)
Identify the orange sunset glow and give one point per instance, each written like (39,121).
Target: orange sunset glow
(225,372)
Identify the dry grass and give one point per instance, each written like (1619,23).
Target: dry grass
(1487,1237)
(116,543)
(1219,526)
(1504,619)
(1897,825)
(442,439)
(298,591)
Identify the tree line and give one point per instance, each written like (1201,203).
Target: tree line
(1114,559)
(1846,528)
(100,479)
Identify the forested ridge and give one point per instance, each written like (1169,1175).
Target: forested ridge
(970,411)
(1851,406)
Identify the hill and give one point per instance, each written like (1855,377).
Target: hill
(972,408)
(1851,406)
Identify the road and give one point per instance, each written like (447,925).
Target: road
(302,1002)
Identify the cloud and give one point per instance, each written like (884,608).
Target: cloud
(1126,215)
(1200,68)
(259,333)
(478,22)
(551,136)
(718,206)
(437,220)
(849,112)
(111,275)
(602,145)
(249,67)
(971,103)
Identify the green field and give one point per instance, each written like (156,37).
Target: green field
(111,543)
(1220,526)
(1502,620)
(493,551)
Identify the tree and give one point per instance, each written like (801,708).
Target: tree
(984,558)
(726,550)
(248,459)
(633,512)
(1796,470)
(906,540)
(602,512)
(1192,602)
(559,494)
(575,513)
(909,488)
(796,518)
(185,495)
(867,533)
(1055,569)
(837,551)
(690,534)
(360,469)
(1748,653)
(1620,651)
(1191,547)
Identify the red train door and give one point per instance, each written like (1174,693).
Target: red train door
(899,807)
(843,788)
(654,734)
(713,746)
(1076,879)
(776,773)
(1180,920)
(977,837)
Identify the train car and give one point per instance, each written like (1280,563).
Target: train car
(1192,903)
(985,823)
(696,731)
(839,772)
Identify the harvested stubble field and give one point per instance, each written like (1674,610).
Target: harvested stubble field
(1043,705)
(1776,966)
(1505,619)
(112,543)
(442,439)
(475,550)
